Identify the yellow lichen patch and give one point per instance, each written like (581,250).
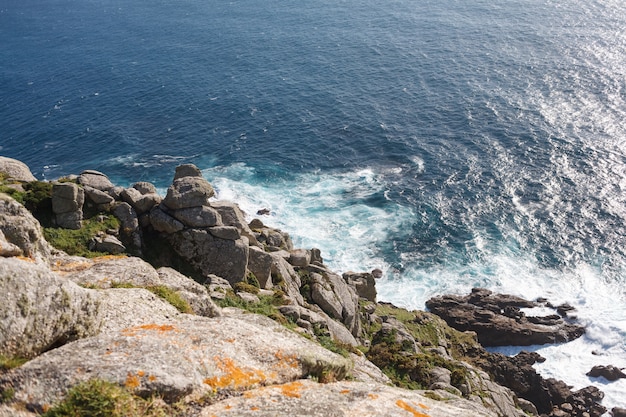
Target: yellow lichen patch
(254,408)
(291,389)
(24,258)
(234,376)
(344,391)
(372,396)
(152,378)
(160,328)
(410,409)
(73,266)
(106,258)
(132,381)
(290,361)
(140,373)
(423,406)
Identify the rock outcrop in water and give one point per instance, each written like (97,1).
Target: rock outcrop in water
(498,320)
(153,332)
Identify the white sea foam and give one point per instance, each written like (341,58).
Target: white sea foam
(330,212)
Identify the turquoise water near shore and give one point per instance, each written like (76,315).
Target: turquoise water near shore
(451,144)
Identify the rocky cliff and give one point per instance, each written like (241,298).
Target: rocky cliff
(180,306)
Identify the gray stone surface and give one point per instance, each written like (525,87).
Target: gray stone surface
(187,170)
(299,257)
(260,264)
(306,398)
(140,202)
(21,229)
(211,255)
(95,179)
(39,310)
(163,222)
(203,216)
(177,357)
(16,170)
(108,244)
(97,196)
(145,187)
(225,232)
(233,216)
(337,299)
(188,192)
(364,284)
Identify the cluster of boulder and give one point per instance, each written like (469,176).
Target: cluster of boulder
(78,319)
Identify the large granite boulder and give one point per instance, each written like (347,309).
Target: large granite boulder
(175,358)
(95,179)
(498,320)
(336,298)
(198,217)
(364,284)
(188,192)
(40,310)
(15,170)
(212,255)
(141,202)
(131,271)
(232,215)
(67,205)
(22,230)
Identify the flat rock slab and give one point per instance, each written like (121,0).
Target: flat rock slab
(343,399)
(498,320)
(175,358)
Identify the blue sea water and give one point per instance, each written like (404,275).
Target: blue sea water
(450,143)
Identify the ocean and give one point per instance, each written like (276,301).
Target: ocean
(450,143)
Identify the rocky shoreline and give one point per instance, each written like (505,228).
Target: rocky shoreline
(191,310)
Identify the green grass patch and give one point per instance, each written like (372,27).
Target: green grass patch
(10,362)
(166,293)
(268,306)
(171,297)
(76,242)
(98,398)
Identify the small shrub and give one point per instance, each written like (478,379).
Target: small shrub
(245,287)
(98,398)
(252,280)
(6,394)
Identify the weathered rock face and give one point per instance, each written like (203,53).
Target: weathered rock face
(212,255)
(41,311)
(95,179)
(176,358)
(22,230)
(498,321)
(610,372)
(141,202)
(16,170)
(343,399)
(337,299)
(363,283)
(106,272)
(67,205)
(188,192)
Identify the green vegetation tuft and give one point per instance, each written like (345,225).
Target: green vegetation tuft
(76,242)
(98,398)
(171,297)
(266,307)
(245,287)
(10,362)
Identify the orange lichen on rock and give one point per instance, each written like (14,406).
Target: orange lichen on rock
(372,396)
(344,391)
(140,373)
(73,266)
(254,408)
(290,361)
(132,381)
(410,409)
(161,328)
(291,389)
(105,258)
(234,376)
(152,378)
(24,258)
